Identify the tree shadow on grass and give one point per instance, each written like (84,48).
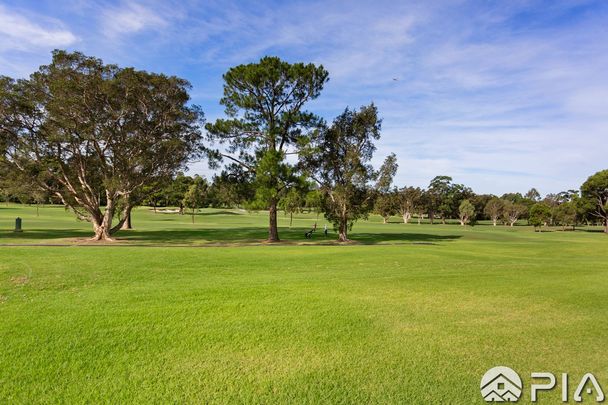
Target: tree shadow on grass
(42,234)
(422,238)
(259,234)
(238,235)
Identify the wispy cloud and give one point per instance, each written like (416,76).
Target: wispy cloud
(17,32)
(129,18)
(503,96)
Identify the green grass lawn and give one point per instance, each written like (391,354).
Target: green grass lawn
(410,314)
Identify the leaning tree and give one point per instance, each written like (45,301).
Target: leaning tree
(265,121)
(338,160)
(94,134)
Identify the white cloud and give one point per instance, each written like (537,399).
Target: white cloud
(19,33)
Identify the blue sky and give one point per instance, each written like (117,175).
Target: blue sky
(500,95)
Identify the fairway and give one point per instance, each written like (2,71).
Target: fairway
(409,314)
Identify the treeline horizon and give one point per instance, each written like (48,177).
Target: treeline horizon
(453,201)
(101,139)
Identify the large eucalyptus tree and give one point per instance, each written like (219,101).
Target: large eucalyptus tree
(94,134)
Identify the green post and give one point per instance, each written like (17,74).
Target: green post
(18,225)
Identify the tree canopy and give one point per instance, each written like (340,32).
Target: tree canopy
(265,122)
(89,132)
(338,160)
(595,192)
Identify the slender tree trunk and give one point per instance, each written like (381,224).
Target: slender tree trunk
(273,231)
(494,221)
(37,209)
(290,219)
(127,224)
(606,225)
(192,215)
(384,220)
(343,231)
(405,218)
(420,218)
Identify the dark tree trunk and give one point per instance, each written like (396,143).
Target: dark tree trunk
(343,231)
(273,231)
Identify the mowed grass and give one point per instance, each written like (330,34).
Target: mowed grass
(410,314)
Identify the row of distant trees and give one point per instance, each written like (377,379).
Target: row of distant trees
(441,201)
(102,139)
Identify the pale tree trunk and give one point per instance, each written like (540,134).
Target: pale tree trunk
(343,226)
(420,218)
(606,225)
(494,219)
(101,233)
(126,225)
(102,224)
(462,222)
(384,220)
(273,231)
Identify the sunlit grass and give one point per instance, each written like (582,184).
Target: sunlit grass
(389,320)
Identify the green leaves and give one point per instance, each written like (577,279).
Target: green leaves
(266,120)
(99,130)
(595,192)
(338,159)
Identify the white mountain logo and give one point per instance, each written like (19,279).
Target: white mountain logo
(501,384)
